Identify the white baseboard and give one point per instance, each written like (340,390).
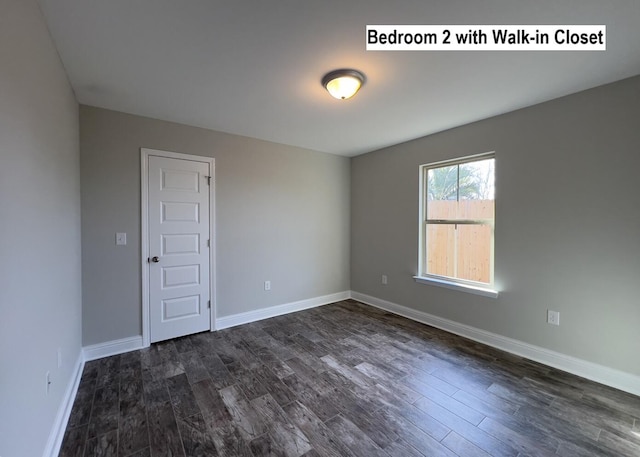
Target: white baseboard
(100,350)
(56,436)
(108,348)
(273,311)
(589,370)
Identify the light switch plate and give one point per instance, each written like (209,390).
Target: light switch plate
(121,239)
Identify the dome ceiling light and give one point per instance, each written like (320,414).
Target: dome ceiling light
(343,84)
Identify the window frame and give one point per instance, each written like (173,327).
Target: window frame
(475,287)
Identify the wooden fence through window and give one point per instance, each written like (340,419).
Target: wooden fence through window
(461,251)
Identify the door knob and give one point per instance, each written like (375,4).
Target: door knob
(155,259)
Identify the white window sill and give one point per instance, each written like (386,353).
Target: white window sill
(468,288)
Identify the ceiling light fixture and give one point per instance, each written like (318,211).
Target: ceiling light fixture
(343,84)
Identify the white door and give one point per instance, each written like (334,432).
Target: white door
(178,235)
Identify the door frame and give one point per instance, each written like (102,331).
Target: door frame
(145,153)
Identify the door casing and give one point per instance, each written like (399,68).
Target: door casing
(144,235)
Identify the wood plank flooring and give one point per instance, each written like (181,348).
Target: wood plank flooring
(341,380)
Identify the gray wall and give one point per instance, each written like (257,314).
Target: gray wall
(39,230)
(282,214)
(567,224)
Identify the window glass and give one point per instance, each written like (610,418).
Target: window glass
(459,203)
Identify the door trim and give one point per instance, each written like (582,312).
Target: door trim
(145,153)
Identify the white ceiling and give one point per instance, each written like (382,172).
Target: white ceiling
(253,67)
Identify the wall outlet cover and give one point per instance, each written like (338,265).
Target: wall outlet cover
(553,317)
(48,381)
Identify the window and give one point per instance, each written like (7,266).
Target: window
(457,222)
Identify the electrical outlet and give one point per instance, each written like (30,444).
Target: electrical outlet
(553,317)
(267,285)
(384,279)
(121,239)
(48,382)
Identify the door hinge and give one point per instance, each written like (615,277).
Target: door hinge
(209,304)
(208,180)
(208,243)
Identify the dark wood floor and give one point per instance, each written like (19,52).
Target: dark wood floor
(341,380)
